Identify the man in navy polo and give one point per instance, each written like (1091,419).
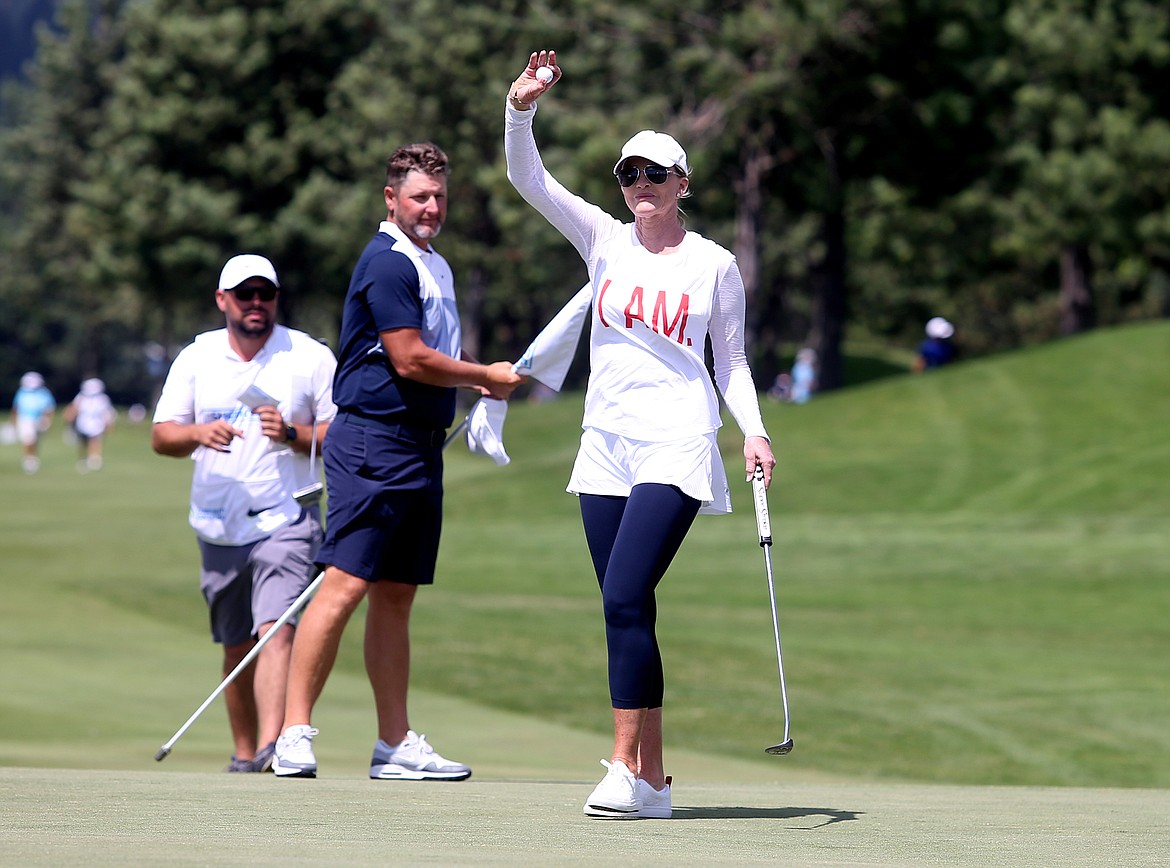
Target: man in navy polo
(400,362)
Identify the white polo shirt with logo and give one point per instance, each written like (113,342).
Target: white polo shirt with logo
(242,496)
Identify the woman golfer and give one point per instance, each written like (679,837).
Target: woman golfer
(648,461)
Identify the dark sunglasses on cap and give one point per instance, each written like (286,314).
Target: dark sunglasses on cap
(247,293)
(627,176)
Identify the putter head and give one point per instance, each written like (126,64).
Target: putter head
(308,495)
(779,749)
(162,754)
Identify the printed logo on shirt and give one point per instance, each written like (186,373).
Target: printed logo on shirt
(234,416)
(661,321)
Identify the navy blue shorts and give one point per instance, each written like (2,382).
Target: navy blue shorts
(385,508)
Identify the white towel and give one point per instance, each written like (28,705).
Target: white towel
(485,430)
(547,359)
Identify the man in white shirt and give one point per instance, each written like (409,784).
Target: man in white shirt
(247,402)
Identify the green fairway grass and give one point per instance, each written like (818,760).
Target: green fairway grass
(99,818)
(972,566)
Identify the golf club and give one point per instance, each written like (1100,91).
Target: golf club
(296,606)
(764,526)
(456,431)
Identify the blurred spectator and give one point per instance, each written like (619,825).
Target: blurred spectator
(804,376)
(781,387)
(32,414)
(91,414)
(937,350)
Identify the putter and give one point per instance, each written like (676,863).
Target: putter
(764,526)
(296,606)
(456,431)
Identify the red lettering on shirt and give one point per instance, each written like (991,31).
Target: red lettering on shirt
(680,316)
(661,322)
(600,298)
(631,313)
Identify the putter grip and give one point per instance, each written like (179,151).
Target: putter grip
(760,499)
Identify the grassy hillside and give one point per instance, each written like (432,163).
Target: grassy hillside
(973,571)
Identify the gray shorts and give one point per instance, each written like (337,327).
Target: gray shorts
(254,584)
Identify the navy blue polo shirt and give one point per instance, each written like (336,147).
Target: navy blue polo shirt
(396,285)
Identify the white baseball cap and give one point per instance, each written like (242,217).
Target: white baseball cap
(939,328)
(246,265)
(92,386)
(657,148)
(32,380)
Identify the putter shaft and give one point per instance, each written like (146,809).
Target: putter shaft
(296,606)
(779,652)
(764,527)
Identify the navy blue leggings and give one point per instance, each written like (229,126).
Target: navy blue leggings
(632,541)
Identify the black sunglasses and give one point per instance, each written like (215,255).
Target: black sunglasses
(627,176)
(247,293)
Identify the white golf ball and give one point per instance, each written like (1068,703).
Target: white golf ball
(544,75)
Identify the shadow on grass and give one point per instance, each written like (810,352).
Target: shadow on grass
(742,813)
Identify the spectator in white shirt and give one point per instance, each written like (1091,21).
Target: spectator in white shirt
(91,414)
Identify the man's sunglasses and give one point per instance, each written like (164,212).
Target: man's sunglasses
(627,176)
(247,293)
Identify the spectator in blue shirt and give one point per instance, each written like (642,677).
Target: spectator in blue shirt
(937,350)
(32,414)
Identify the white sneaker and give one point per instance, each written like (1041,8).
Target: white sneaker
(616,797)
(293,757)
(655,803)
(414,760)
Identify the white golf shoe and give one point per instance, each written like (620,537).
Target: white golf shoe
(413,759)
(655,803)
(293,757)
(616,797)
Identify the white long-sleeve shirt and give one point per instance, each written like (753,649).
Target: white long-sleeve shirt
(651,314)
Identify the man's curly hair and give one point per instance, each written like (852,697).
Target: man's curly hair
(421,157)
